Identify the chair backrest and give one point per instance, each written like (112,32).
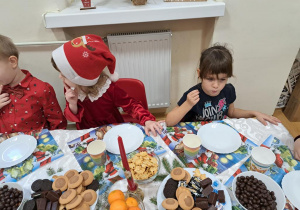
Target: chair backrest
(135,88)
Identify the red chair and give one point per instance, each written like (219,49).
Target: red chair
(135,89)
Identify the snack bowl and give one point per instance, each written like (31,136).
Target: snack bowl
(150,179)
(10,185)
(270,184)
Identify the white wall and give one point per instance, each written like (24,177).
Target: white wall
(264,37)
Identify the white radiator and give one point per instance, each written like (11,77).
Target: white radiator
(147,57)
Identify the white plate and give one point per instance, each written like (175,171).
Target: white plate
(219,138)
(16,149)
(161,197)
(270,184)
(290,186)
(131,135)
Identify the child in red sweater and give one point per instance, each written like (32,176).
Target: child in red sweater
(92,98)
(26,103)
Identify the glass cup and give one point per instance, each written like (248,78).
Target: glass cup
(261,159)
(191,145)
(97,151)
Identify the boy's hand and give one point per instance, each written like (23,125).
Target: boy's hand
(261,117)
(193,97)
(152,126)
(297,149)
(71,94)
(4,98)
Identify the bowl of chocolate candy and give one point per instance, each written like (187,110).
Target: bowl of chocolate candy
(255,190)
(11,195)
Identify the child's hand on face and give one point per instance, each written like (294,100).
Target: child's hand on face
(71,94)
(261,117)
(4,98)
(193,97)
(297,149)
(152,126)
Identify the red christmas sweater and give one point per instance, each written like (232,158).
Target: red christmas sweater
(33,106)
(104,110)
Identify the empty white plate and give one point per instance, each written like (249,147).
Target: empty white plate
(290,186)
(219,138)
(16,149)
(131,135)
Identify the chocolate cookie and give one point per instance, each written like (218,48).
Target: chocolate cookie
(36,185)
(186,201)
(178,173)
(94,185)
(60,183)
(172,182)
(67,196)
(170,191)
(74,202)
(88,177)
(46,185)
(29,205)
(70,173)
(170,203)
(75,181)
(82,206)
(89,196)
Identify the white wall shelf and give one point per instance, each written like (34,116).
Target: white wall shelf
(123,11)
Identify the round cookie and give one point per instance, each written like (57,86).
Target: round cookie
(178,173)
(74,202)
(36,185)
(67,196)
(82,206)
(60,183)
(79,189)
(70,173)
(187,177)
(89,196)
(181,190)
(88,177)
(75,181)
(94,185)
(186,201)
(170,203)
(170,191)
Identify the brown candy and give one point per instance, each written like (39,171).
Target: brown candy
(253,193)
(10,197)
(221,196)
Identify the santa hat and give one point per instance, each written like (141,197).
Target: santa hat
(83,59)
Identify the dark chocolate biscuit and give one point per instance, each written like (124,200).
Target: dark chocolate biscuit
(36,185)
(46,185)
(93,186)
(170,191)
(172,182)
(30,205)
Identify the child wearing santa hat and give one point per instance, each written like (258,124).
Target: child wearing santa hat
(92,98)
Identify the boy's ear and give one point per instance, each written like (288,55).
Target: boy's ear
(198,73)
(13,61)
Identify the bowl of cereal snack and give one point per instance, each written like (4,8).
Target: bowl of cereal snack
(255,190)
(144,166)
(11,195)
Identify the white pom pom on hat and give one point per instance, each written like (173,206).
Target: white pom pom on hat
(83,59)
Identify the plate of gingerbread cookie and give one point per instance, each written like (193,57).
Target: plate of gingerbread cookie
(190,188)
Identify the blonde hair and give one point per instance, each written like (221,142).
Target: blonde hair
(7,47)
(92,90)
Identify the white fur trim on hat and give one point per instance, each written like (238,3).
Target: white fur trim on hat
(114,77)
(66,69)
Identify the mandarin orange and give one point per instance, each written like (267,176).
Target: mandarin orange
(131,202)
(134,208)
(115,195)
(118,205)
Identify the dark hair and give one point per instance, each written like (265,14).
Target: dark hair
(216,60)
(7,47)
